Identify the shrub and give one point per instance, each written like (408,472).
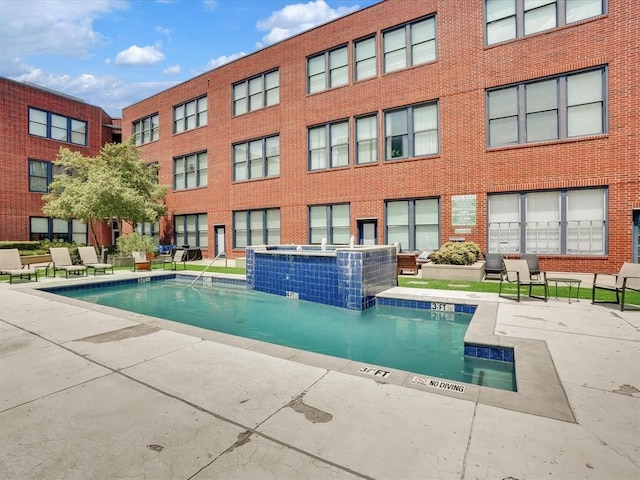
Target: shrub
(456,253)
(134,242)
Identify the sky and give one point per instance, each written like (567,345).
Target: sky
(114,53)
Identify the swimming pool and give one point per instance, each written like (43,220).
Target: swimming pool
(411,339)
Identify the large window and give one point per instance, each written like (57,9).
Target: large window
(190,171)
(411,44)
(365,59)
(41,174)
(256,227)
(508,19)
(367,139)
(146,129)
(257,92)
(256,159)
(57,230)
(570,222)
(330,222)
(57,127)
(411,132)
(555,108)
(191,230)
(150,230)
(190,115)
(327,70)
(414,224)
(329,146)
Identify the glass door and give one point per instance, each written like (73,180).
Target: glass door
(367,232)
(636,236)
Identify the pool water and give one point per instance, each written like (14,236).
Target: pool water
(414,340)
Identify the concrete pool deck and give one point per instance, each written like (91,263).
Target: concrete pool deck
(88,392)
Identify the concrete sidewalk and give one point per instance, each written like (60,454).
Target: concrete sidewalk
(89,392)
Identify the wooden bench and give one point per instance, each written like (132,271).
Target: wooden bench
(407,263)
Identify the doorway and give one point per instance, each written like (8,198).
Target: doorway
(636,236)
(219,240)
(368,231)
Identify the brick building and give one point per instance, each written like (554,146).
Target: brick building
(36,123)
(507,123)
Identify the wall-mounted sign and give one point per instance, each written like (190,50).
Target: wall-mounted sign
(463,210)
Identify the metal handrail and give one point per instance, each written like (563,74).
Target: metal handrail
(220,255)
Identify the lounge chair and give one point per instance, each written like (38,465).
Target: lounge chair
(493,264)
(627,279)
(90,260)
(140,261)
(517,271)
(62,261)
(178,257)
(10,264)
(533,263)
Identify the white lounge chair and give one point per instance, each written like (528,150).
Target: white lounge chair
(141,261)
(62,261)
(90,260)
(517,271)
(10,264)
(627,279)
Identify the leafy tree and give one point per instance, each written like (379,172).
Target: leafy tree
(116,184)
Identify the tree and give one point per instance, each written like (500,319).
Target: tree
(116,184)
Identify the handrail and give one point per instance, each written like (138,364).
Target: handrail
(221,254)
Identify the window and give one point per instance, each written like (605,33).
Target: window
(256,227)
(327,70)
(190,115)
(414,224)
(409,45)
(190,171)
(150,229)
(329,146)
(257,92)
(146,130)
(411,132)
(557,108)
(256,159)
(367,139)
(191,230)
(41,174)
(508,19)
(330,222)
(570,222)
(57,127)
(57,230)
(365,59)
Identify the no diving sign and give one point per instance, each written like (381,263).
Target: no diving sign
(439,384)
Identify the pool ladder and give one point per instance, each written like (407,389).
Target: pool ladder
(220,255)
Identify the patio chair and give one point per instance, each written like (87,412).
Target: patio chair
(90,260)
(10,264)
(517,271)
(62,261)
(140,261)
(627,279)
(493,264)
(178,257)
(533,263)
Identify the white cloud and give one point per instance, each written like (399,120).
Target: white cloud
(140,56)
(174,70)
(210,4)
(32,27)
(297,18)
(163,31)
(222,60)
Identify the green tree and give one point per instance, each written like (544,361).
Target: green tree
(116,184)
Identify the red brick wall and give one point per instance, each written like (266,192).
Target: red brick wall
(17,204)
(465,68)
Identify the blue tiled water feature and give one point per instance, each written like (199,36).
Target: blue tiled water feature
(348,277)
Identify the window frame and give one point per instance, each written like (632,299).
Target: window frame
(201,173)
(520,244)
(370,141)
(265,93)
(199,115)
(358,62)
(270,236)
(72,233)
(329,226)
(329,146)
(521,115)
(412,225)
(67,131)
(328,69)
(410,134)
(409,46)
(265,158)
(181,226)
(143,135)
(519,16)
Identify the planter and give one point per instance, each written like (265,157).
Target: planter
(143,266)
(469,273)
(117,261)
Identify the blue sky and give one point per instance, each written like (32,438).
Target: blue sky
(113,53)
